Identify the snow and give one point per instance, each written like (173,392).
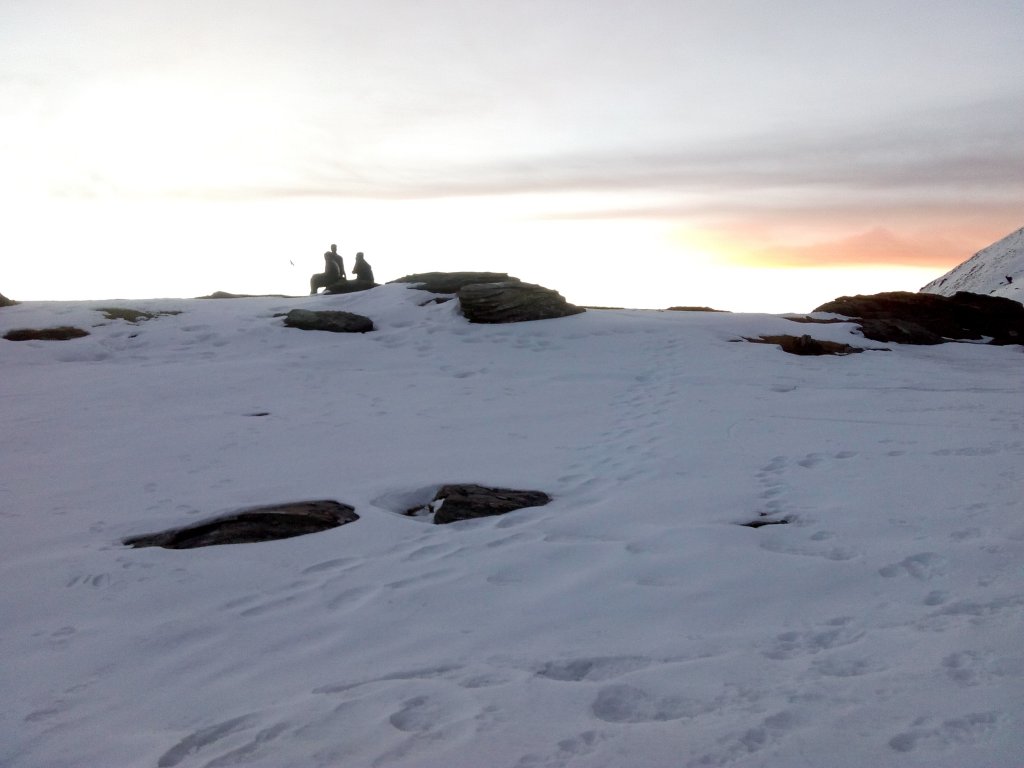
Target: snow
(630,622)
(997,270)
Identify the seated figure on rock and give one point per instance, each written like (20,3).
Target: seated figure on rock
(334,271)
(362,270)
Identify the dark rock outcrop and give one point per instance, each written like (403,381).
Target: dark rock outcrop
(452,282)
(761,522)
(512,302)
(133,315)
(5,302)
(926,318)
(694,309)
(805,345)
(468,501)
(226,295)
(349,286)
(335,322)
(59,333)
(280,521)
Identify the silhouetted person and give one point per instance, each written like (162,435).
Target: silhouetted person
(334,270)
(362,270)
(333,256)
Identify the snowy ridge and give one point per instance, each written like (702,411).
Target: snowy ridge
(996,271)
(630,622)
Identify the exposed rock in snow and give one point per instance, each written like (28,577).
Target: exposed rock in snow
(335,322)
(349,286)
(58,333)
(805,345)
(468,501)
(280,521)
(451,282)
(922,318)
(513,303)
(994,271)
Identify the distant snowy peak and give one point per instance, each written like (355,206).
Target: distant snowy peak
(995,271)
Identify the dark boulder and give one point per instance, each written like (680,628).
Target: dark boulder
(928,318)
(5,302)
(512,302)
(465,502)
(452,282)
(761,522)
(59,333)
(335,322)
(281,521)
(805,345)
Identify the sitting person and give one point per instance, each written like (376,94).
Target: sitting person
(334,271)
(362,270)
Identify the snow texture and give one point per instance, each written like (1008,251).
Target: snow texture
(994,271)
(630,622)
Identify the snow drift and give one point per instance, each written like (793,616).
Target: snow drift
(632,621)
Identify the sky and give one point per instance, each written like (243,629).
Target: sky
(742,155)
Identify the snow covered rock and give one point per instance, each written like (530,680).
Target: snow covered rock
(926,318)
(513,303)
(994,271)
(281,521)
(335,322)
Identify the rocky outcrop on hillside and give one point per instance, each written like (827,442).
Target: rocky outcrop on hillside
(226,295)
(452,282)
(279,521)
(512,302)
(333,321)
(927,318)
(5,302)
(494,297)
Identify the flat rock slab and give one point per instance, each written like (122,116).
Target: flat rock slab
(227,295)
(333,321)
(280,521)
(928,318)
(452,282)
(349,286)
(60,333)
(466,502)
(512,303)
(805,345)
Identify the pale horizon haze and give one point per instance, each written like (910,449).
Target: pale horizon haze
(740,155)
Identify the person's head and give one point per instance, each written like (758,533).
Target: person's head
(334,248)
(359,255)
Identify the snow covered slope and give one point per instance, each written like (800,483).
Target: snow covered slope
(996,271)
(631,622)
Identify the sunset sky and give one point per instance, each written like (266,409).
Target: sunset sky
(745,155)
